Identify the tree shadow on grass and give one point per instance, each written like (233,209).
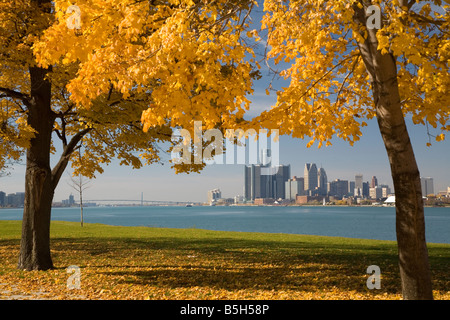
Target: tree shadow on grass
(235,264)
(240,264)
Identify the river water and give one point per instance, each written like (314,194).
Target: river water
(352,222)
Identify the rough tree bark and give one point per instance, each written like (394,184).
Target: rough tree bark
(40,179)
(410,222)
(39,191)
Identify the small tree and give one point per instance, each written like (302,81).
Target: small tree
(79,184)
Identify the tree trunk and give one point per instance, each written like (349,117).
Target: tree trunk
(81,203)
(410,222)
(39,189)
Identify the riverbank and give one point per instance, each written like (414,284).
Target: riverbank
(158,263)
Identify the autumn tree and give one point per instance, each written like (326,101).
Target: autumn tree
(63,82)
(35,110)
(348,60)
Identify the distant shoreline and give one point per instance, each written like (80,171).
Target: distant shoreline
(446,205)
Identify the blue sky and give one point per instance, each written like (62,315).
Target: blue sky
(341,161)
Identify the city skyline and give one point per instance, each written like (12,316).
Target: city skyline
(342,161)
(260,188)
(291,186)
(200,196)
(228,178)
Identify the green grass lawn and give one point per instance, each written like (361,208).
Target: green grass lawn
(158,263)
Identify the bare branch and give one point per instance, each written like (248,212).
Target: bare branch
(15,95)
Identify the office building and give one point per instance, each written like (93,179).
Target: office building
(322,182)
(2,198)
(338,188)
(374,182)
(15,200)
(214,195)
(310,177)
(294,187)
(386,191)
(358,185)
(238,199)
(69,202)
(283,174)
(20,198)
(265,182)
(263,201)
(427,186)
(358,181)
(10,200)
(365,189)
(71,199)
(376,193)
(351,188)
(309,199)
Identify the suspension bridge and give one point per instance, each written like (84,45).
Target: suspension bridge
(136,202)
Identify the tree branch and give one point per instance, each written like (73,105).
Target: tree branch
(422,19)
(16,95)
(65,156)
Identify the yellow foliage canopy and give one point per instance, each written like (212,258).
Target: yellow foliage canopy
(316,44)
(130,60)
(187,55)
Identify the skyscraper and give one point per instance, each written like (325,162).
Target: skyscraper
(358,185)
(322,182)
(376,192)
(71,200)
(258,185)
(386,191)
(15,199)
(2,198)
(427,186)
(374,182)
(358,181)
(351,188)
(310,176)
(294,187)
(283,174)
(365,189)
(338,188)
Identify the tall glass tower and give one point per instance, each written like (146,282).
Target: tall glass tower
(322,182)
(310,176)
(258,185)
(427,186)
